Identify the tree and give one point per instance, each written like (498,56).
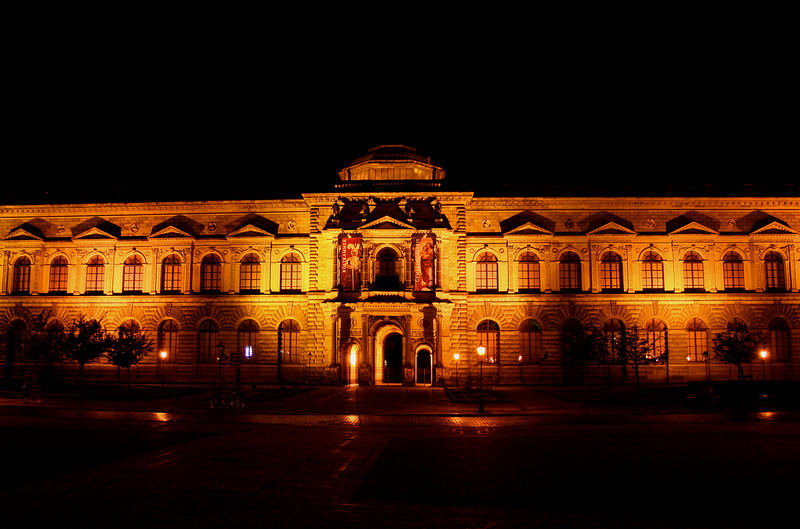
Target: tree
(86,342)
(636,351)
(128,349)
(580,348)
(737,345)
(41,341)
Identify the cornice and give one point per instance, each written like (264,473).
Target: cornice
(635,203)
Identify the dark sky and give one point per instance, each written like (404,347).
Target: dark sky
(203,122)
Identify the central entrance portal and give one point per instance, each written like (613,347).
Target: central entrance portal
(393,359)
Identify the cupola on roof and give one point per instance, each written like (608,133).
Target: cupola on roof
(392,162)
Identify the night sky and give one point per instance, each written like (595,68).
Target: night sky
(206,123)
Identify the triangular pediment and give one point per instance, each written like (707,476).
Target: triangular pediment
(386,223)
(96,228)
(93,233)
(694,228)
(250,230)
(21,233)
(169,232)
(774,228)
(528,228)
(612,228)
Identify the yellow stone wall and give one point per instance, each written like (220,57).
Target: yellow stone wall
(444,321)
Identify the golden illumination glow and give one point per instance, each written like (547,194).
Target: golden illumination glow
(764,354)
(163,355)
(353,357)
(456,356)
(481,350)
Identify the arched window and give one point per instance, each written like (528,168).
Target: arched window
(129,328)
(693,272)
(246,339)
(486,273)
(569,272)
(775,275)
(656,331)
(288,337)
(291,274)
(132,275)
(530,335)
(779,340)
(652,272)
(250,274)
(207,341)
(528,272)
(698,341)
(171,274)
(611,272)
(733,272)
(21,283)
(168,340)
(387,270)
(614,333)
(489,337)
(211,273)
(59,272)
(95,275)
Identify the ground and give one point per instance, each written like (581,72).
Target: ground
(395,458)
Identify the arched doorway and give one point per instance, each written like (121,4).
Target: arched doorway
(351,363)
(393,359)
(424,366)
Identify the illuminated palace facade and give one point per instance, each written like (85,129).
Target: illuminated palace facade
(392,279)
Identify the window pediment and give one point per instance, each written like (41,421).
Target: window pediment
(774,228)
(386,222)
(25,233)
(611,228)
(694,228)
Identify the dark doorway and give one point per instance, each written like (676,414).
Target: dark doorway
(423,366)
(393,359)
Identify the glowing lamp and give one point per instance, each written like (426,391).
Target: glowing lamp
(764,354)
(163,355)
(248,351)
(456,356)
(481,350)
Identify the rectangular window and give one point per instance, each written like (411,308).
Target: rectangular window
(94,278)
(291,277)
(529,275)
(486,276)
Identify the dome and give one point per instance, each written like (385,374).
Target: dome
(393,163)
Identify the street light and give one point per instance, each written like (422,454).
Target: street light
(481,353)
(221,357)
(764,354)
(456,356)
(163,356)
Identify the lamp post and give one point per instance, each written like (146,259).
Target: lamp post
(763,354)
(456,356)
(163,356)
(221,363)
(481,353)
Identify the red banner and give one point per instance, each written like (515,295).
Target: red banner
(350,262)
(424,262)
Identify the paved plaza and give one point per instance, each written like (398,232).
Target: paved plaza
(395,457)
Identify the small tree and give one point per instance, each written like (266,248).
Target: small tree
(41,341)
(128,349)
(737,346)
(636,351)
(86,342)
(580,348)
